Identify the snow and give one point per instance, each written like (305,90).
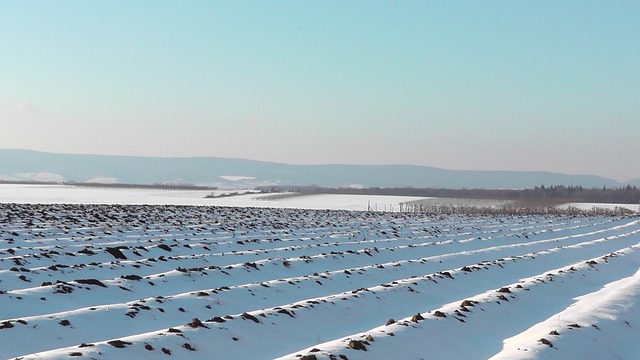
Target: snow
(604,328)
(46,194)
(236,177)
(103,180)
(119,274)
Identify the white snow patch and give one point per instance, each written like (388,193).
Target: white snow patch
(40,176)
(236,177)
(103,180)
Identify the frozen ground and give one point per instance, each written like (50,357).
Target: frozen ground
(191,282)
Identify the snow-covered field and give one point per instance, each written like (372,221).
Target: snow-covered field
(108,281)
(47,194)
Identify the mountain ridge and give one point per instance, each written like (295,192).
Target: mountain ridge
(19,164)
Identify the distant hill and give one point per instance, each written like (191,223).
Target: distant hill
(237,173)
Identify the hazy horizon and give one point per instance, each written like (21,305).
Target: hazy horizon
(496,85)
(112,168)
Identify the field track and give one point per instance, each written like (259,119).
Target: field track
(193,282)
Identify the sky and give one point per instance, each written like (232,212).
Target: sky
(491,85)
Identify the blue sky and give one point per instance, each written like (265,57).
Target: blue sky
(491,85)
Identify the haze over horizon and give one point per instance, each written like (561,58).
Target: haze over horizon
(497,85)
